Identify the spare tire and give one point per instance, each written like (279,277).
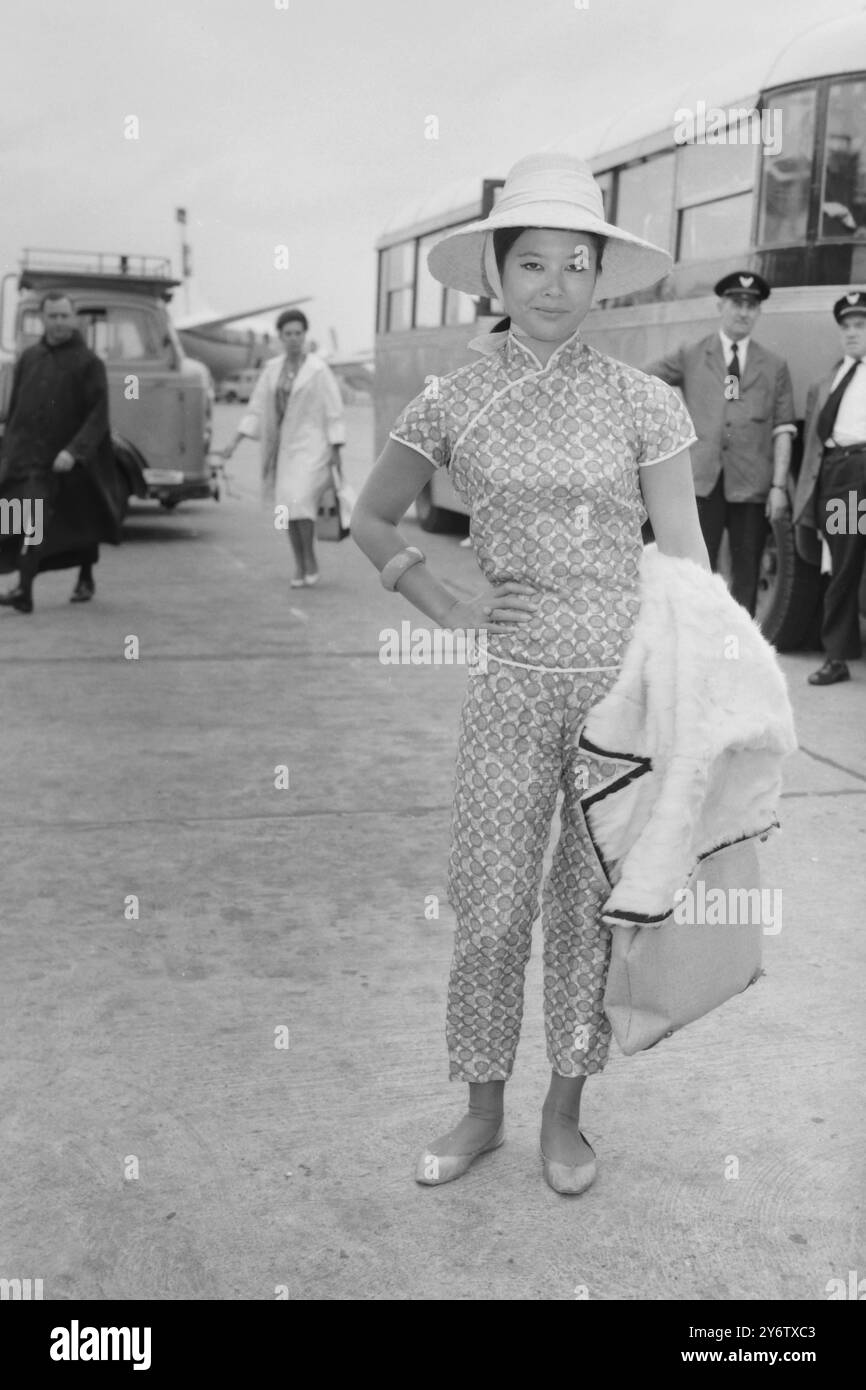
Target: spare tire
(789,590)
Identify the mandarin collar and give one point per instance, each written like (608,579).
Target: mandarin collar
(515,350)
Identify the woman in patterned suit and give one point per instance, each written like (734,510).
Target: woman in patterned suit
(559,453)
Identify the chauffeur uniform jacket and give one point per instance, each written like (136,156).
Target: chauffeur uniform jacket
(736,435)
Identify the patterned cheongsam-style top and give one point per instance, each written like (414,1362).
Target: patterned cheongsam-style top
(546,460)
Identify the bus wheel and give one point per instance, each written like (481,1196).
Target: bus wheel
(789,591)
(433,518)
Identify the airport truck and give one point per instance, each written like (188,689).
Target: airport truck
(160,400)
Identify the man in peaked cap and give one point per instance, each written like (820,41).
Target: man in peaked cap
(830,501)
(741,400)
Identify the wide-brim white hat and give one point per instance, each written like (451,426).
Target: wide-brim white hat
(552,189)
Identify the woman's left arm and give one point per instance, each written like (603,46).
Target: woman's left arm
(669,496)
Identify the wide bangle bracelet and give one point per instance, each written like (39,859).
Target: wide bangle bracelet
(399,564)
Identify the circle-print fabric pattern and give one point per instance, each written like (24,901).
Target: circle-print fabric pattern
(546,459)
(518,745)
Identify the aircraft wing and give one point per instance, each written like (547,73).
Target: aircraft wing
(360,359)
(193,321)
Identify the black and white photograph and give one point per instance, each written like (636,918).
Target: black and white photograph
(432,603)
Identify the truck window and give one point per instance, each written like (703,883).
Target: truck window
(131,335)
(120,333)
(31,328)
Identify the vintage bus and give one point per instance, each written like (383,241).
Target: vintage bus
(786,198)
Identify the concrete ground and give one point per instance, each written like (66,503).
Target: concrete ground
(157,1141)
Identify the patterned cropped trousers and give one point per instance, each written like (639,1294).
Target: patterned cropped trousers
(517,747)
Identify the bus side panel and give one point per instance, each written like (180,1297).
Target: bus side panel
(405,360)
(795,323)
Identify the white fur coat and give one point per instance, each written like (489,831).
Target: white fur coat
(684,754)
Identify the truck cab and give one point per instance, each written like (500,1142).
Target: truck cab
(160,400)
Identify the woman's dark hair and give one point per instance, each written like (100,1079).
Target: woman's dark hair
(292,316)
(505,237)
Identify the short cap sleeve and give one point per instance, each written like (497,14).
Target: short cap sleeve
(422,425)
(664,425)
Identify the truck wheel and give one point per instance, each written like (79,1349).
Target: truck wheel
(789,591)
(432,518)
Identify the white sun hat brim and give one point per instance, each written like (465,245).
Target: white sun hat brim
(628,264)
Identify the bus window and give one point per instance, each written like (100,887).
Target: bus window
(843,195)
(645,198)
(715,229)
(430,293)
(459,307)
(787,175)
(396,286)
(705,172)
(714,198)
(605,183)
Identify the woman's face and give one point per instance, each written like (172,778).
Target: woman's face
(548,281)
(292,335)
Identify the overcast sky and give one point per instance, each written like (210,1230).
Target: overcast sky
(305,125)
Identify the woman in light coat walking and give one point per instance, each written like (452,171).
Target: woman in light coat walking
(296,412)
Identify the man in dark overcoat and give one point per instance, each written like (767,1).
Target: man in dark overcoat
(740,397)
(60,489)
(830,501)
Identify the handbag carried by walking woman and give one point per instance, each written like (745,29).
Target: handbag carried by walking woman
(335,511)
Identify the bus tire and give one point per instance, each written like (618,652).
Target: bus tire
(789,591)
(432,518)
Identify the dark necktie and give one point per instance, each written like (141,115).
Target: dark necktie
(734,364)
(830,408)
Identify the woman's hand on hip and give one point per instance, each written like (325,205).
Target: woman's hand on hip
(498,609)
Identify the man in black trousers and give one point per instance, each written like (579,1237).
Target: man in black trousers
(830,501)
(57,464)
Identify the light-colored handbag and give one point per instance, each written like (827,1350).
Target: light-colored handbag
(335,511)
(661,978)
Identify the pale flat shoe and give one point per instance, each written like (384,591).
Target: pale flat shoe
(571,1181)
(297,583)
(311,579)
(434,1169)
